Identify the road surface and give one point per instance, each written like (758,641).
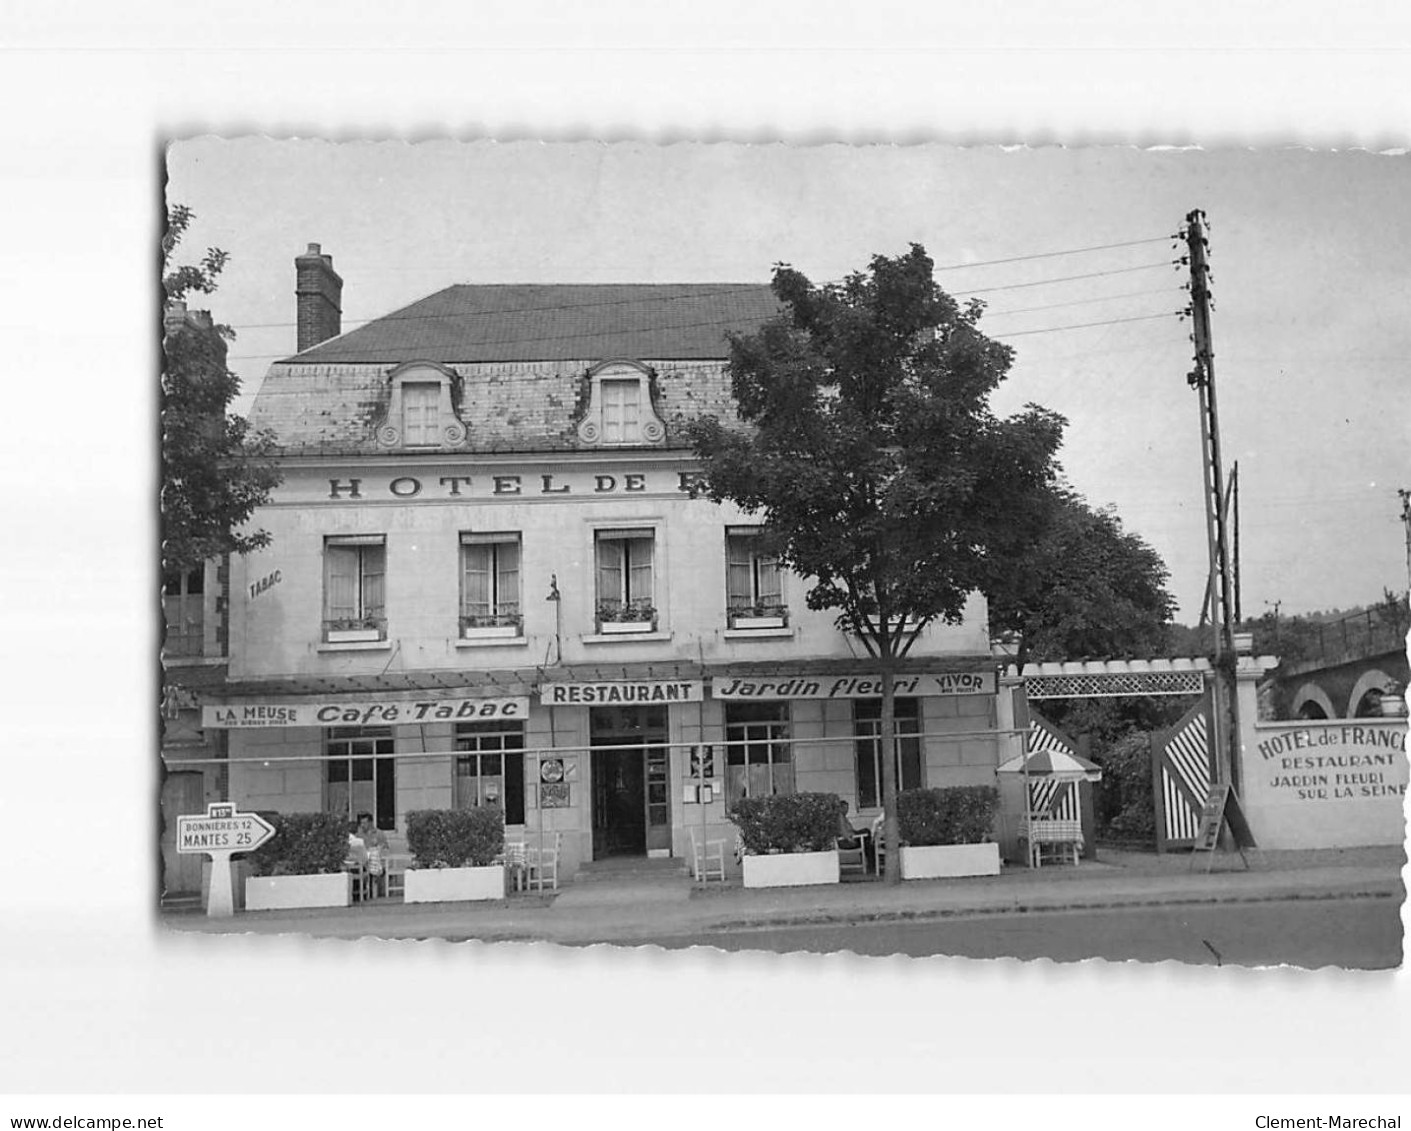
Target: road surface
(1350,933)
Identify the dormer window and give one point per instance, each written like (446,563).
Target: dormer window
(619,411)
(421,408)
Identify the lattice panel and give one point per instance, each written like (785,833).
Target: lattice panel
(1110,685)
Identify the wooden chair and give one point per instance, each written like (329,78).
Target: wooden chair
(852,854)
(707,856)
(1056,838)
(879,843)
(376,871)
(542,864)
(515,860)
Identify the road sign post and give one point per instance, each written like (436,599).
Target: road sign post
(219,833)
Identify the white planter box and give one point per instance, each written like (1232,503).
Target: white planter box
(610,627)
(353,635)
(491,632)
(272,893)
(939,861)
(454,885)
(757,622)
(791,869)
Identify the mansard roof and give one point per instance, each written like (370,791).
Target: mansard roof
(559,322)
(520,355)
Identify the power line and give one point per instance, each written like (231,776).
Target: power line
(1085,325)
(1064,279)
(1053,254)
(683,326)
(1077,302)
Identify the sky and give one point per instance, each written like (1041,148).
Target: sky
(1311,286)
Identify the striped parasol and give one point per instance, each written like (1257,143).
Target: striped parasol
(1058,764)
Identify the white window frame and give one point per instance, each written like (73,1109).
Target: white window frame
(503,611)
(611,420)
(363,616)
(747,739)
(476,741)
(619,604)
(438,428)
(350,745)
(867,744)
(754,583)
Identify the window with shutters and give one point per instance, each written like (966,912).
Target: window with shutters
(423,399)
(183,605)
(754,583)
(421,413)
(355,571)
(867,725)
(619,409)
(622,411)
(625,598)
(490,585)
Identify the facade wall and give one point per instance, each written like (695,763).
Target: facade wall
(556,502)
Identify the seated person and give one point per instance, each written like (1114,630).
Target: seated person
(370,834)
(848,837)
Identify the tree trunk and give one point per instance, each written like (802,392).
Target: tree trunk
(888,749)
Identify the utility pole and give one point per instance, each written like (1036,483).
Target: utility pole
(1235,488)
(1202,379)
(1406,522)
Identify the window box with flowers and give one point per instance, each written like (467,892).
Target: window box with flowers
(348,630)
(625,617)
(492,626)
(760,615)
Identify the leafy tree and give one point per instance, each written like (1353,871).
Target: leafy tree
(866,440)
(1086,590)
(215,471)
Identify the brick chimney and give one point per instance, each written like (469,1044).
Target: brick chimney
(319,290)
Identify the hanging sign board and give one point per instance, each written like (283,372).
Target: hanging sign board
(622,691)
(867,686)
(322,713)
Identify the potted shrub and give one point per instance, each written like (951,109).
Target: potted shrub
(453,853)
(301,865)
(789,839)
(947,832)
(631,616)
(763,615)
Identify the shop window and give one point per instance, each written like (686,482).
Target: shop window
(490,581)
(759,759)
(354,582)
(361,774)
(754,583)
(867,726)
(625,601)
(183,606)
(490,767)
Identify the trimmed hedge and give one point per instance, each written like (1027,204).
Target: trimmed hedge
(304,844)
(962,814)
(789,822)
(456,838)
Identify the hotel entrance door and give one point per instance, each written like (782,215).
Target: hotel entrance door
(631,806)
